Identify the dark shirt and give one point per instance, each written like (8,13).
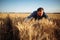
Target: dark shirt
(36,16)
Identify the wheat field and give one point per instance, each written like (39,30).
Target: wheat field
(13,27)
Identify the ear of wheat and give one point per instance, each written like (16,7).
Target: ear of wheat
(37,30)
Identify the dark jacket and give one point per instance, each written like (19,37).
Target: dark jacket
(34,15)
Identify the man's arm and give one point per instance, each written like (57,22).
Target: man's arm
(45,15)
(29,17)
(32,14)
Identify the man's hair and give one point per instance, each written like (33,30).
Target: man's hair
(39,9)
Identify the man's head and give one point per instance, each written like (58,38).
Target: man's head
(40,11)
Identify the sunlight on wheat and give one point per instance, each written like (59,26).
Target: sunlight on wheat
(36,30)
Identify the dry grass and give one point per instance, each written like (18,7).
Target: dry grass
(37,30)
(13,27)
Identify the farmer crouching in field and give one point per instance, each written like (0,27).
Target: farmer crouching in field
(39,14)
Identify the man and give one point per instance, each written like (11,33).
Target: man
(39,14)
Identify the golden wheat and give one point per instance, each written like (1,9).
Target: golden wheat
(36,30)
(32,30)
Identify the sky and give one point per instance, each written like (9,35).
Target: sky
(29,5)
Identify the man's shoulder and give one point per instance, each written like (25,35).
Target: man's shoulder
(44,13)
(34,12)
